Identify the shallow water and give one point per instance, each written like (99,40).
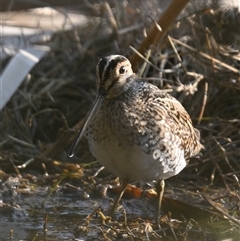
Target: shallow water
(24,210)
(26,216)
(66,211)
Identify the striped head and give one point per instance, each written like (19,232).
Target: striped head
(114,75)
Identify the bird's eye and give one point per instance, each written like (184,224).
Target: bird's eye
(122,70)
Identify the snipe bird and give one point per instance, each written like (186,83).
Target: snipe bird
(136,130)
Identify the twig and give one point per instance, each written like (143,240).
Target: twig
(204,102)
(176,52)
(210,47)
(155,35)
(171,226)
(16,169)
(24,143)
(110,16)
(26,163)
(142,57)
(219,209)
(207,56)
(218,168)
(224,154)
(130,29)
(144,65)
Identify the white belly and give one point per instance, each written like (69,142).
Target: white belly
(131,162)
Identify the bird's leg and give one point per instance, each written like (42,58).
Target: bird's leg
(123,187)
(160,191)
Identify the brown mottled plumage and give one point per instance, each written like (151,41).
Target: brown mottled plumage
(136,130)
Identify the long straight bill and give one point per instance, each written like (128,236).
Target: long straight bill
(96,106)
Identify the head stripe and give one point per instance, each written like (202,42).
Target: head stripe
(108,64)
